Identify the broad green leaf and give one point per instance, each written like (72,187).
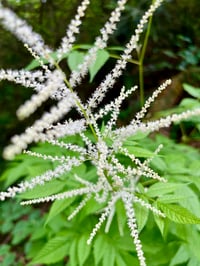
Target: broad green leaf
(74,59)
(178,214)
(57,207)
(55,250)
(101,59)
(160,189)
(47,189)
(181,256)
(195,92)
(83,249)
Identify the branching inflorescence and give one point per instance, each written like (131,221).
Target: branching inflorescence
(114,180)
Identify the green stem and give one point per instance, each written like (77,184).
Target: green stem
(133,61)
(77,101)
(141,60)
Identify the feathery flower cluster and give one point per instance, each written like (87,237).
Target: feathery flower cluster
(113,181)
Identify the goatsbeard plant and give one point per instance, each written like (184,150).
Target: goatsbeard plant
(114,181)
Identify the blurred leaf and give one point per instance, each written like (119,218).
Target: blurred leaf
(159,189)
(83,249)
(195,92)
(181,256)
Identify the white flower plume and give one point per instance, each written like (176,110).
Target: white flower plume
(100,147)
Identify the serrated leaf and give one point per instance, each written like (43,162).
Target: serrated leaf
(178,214)
(54,250)
(57,207)
(160,189)
(195,92)
(75,58)
(83,249)
(101,59)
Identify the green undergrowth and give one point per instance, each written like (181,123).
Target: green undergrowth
(32,236)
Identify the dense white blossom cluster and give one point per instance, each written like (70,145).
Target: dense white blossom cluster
(114,180)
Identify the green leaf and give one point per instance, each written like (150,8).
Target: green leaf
(181,256)
(55,250)
(57,207)
(99,248)
(109,256)
(73,258)
(191,200)
(195,92)
(102,57)
(137,136)
(141,214)
(139,152)
(160,189)
(160,221)
(193,262)
(120,216)
(35,63)
(14,172)
(21,231)
(119,260)
(47,189)
(74,59)
(178,214)
(83,249)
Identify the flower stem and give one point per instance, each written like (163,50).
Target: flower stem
(141,60)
